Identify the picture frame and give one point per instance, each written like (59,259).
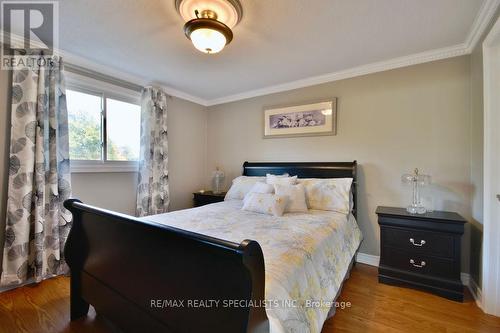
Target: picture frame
(308,119)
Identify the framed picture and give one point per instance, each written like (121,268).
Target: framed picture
(312,119)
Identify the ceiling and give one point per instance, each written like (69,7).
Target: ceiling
(278,42)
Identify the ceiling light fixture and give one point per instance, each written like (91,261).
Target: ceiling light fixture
(209,22)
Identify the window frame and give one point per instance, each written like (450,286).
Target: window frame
(104,90)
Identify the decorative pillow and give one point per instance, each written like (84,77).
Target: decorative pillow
(282,180)
(241,185)
(265,203)
(279,176)
(296,196)
(328,194)
(260,188)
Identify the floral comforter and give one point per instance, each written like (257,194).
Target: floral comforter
(306,256)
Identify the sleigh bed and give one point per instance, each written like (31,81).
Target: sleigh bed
(212,268)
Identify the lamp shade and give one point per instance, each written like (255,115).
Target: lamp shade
(208,35)
(208,40)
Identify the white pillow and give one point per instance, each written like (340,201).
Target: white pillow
(328,194)
(279,176)
(260,188)
(296,196)
(241,185)
(282,180)
(265,203)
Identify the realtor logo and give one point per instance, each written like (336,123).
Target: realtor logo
(28,27)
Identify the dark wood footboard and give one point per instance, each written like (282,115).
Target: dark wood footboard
(147,277)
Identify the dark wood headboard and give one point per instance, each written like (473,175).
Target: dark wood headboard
(307,170)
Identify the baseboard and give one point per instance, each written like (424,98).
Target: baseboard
(469,282)
(367,259)
(476,292)
(465,277)
(473,287)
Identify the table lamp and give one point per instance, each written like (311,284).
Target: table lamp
(417,181)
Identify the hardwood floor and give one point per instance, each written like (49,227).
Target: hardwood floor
(382,308)
(375,308)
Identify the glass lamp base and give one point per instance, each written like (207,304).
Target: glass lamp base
(416,209)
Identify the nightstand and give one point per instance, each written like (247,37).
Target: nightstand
(207,197)
(421,251)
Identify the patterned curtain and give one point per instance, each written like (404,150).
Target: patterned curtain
(39,176)
(152,191)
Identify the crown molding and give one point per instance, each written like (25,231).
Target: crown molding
(78,61)
(481,22)
(381,66)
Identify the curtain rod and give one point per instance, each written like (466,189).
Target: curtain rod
(101,77)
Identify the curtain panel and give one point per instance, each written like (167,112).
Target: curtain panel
(153,192)
(39,176)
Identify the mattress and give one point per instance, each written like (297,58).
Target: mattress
(306,256)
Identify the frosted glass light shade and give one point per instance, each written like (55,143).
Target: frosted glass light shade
(208,40)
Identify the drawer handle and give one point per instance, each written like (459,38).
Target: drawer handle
(422,242)
(422,263)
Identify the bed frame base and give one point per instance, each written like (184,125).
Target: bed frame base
(128,269)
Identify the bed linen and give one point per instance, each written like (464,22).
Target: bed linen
(306,255)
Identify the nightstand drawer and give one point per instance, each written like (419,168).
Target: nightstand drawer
(207,197)
(422,251)
(419,242)
(419,263)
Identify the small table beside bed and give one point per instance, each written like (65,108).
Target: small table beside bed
(216,267)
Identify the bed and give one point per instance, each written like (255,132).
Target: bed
(216,267)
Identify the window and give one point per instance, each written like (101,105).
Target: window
(104,130)
(123,130)
(84,122)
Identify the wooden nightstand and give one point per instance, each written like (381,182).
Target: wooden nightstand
(422,251)
(207,197)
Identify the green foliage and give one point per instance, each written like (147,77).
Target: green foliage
(85,140)
(84,137)
(116,153)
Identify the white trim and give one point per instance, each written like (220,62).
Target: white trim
(491,229)
(414,59)
(481,22)
(473,287)
(79,82)
(476,292)
(367,259)
(73,59)
(465,278)
(483,18)
(100,166)
(106,70)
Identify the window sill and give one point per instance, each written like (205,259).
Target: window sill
(100,167)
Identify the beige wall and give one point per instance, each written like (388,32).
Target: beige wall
(187,156)
(390,122)
(114,191)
